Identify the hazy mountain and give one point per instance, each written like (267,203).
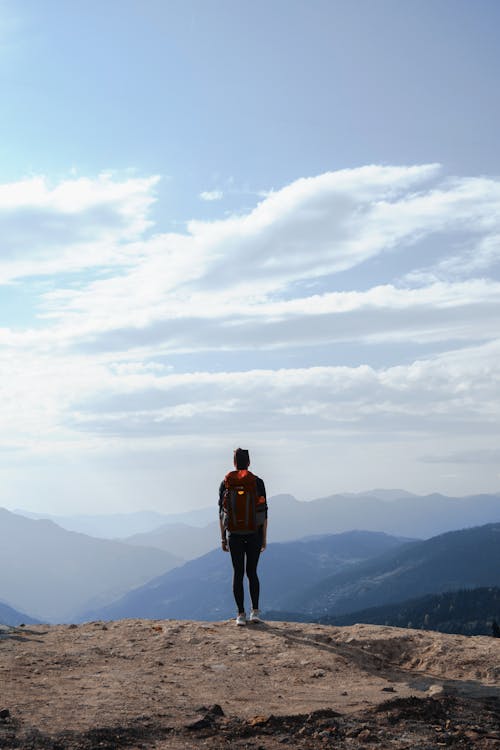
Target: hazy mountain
(201,589)
(10,616)
(370,570)
(456,560)
(399,513)
(466,612)
(412,516)
(394,511)
(180,539)
(382,494)
(116,525)
(51,572)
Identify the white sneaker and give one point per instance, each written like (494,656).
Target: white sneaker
(241,619)
(255,616)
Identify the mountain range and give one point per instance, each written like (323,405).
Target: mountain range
(371,569)
(51,573)
(57,575)
(396,512)
(120,525)
(392,511)
(469,558)
(201,589)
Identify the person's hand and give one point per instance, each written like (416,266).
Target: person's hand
(225,548)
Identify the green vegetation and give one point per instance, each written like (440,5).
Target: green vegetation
(466,612)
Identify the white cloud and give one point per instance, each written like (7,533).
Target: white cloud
(211,195)
(441,312)
(230,284)
(456,391)
(76,224)
(479,256)
(248,265)
(98,370)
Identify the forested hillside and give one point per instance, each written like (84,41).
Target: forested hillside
(465,612)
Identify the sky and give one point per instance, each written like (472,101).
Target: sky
(270,224)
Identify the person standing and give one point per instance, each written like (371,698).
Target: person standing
(243,525)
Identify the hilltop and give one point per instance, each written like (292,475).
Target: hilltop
(181,684)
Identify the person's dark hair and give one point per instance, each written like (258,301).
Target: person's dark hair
(241,458)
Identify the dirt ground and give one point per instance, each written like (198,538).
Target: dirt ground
(179,684)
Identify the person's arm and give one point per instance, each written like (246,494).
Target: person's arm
(261,491)
(223,532)
(223,535)
(264,536)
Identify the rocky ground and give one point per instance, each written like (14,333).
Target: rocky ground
(175,684)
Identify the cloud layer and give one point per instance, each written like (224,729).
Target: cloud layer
(370,259)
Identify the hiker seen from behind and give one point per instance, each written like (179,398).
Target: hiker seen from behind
(243,525)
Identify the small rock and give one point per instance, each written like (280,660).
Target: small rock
(73,626)
(472,735)
(216,710)
(203,723)
(258,720)
(318,673)
(208,719)
(435,690)
(388,690)
(4,713)
(344,693)
(367,736)
(218,667)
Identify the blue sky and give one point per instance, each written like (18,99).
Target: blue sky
(274,224)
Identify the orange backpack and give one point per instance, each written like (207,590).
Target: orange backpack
(240,502)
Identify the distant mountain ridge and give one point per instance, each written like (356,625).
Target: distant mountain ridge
(201,589)
(371,570)
(10,616)
(382,494)
(414,516)
(120,525)
(469,558)
(180,539)
(393,511)
(53,572)
(56,575)
(409,516)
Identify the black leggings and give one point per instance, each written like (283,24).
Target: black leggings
(249,546)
